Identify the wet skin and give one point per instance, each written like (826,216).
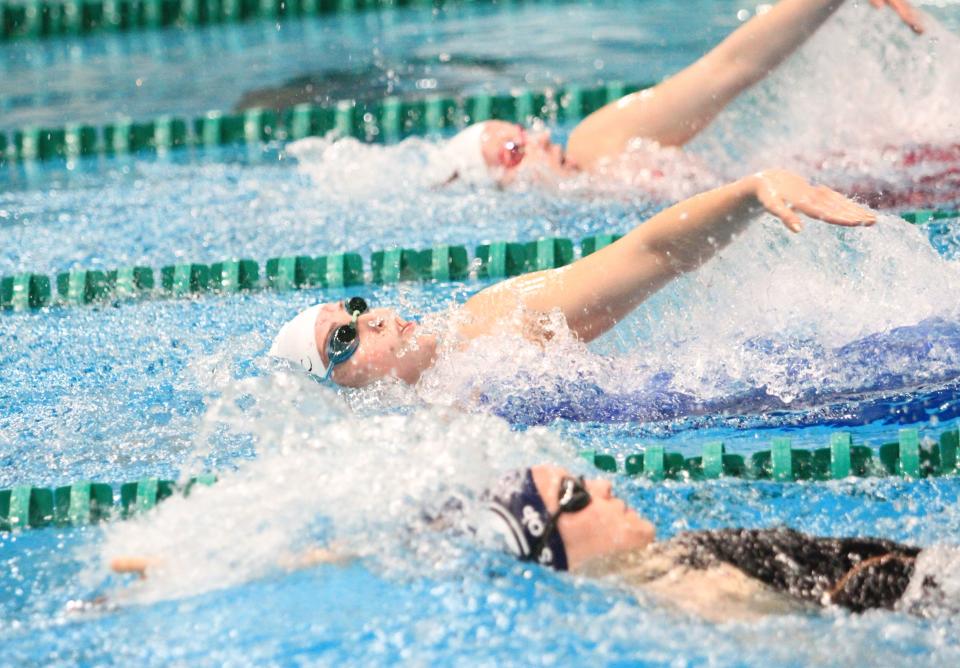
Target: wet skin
(532,150)
(607,526)
(388,346)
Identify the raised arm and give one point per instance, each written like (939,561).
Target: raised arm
(674,111)
(597,291)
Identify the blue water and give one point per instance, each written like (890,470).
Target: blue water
(781,335)
(405,51)
(461,47)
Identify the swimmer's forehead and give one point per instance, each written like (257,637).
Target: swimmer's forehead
(498,132)
(547,478)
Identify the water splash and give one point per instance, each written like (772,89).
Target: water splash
(367,485)
(865,106)
(774,319)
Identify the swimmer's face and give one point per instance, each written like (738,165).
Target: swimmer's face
(508,148)
(388,346)
(605,527)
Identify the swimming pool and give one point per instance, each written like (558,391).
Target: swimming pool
(855,330)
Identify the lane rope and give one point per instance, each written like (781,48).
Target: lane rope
(387,120)
(39,19)
(500,259)
(910,457)
(492,260)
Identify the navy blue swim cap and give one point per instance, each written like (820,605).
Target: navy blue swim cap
(521,517)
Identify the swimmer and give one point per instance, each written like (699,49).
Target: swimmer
(670,113)
(546,515)
(355,345)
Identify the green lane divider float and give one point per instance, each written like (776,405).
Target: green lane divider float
(29,291)
(501,259)
(38,19)
(921,216)
(85,502)
(388,120)
(783,463)
(24,291)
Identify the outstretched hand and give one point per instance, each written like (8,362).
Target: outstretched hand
(784,194)
(907,12)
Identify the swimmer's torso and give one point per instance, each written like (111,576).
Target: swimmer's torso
(740,573)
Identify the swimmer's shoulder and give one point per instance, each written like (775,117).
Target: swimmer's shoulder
(677,573)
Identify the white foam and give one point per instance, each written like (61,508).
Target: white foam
(862,82)
(322,474)
(768,312)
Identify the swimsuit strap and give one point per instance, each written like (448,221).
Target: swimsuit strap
(877,582)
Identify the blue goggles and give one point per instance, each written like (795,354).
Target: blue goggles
(344,340)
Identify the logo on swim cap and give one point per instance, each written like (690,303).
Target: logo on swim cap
(532,521)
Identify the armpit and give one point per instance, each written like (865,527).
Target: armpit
(538,328)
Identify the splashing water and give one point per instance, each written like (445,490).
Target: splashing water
(321,475)
(864,106)
(773,319)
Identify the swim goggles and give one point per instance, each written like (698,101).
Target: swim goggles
(572,498)
(344,340)
(512,154)
(513,151)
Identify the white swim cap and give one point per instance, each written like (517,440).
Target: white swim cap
(463,154)
(296,341)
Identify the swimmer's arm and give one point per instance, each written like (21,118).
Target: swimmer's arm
(597,291)
(139,565)
(676,110)
(316,556)
(132,564)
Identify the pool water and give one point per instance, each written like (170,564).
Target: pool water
(410,51)
(781,335)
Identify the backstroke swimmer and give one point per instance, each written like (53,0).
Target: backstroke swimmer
(670,113)
(546,515)
(355,345)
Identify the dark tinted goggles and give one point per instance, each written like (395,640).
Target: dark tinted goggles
(344,339)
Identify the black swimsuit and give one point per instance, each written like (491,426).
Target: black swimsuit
(856,573)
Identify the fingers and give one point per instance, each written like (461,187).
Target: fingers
(877,3)
(821,203)
(908,14)
(136,565)
(832,207)
(773,203)
(849,209)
